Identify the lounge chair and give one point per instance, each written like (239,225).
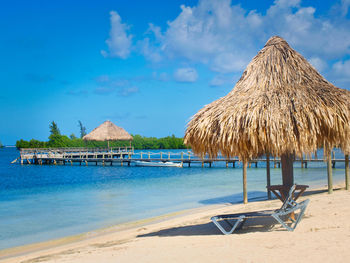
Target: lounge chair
(282,215)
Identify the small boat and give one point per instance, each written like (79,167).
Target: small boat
(157,164)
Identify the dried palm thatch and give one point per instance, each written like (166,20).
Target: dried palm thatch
(280,105)
(108,131)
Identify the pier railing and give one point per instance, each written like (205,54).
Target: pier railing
(76,149)
(76,152)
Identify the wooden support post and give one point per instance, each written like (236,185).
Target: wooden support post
(256,164)
(149,155)
(182,155)
(333,164)
(202,164)
(302,161)
(268,177)
(346,171)
(329,172)
(226,164)
(287,171)
(245,195)
(169,156)
(233,164)
(161,155)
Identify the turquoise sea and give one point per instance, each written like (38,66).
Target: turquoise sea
(38,203)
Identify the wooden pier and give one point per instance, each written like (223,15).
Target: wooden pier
(126,156)
(73,155)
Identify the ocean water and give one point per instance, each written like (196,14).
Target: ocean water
(38,203)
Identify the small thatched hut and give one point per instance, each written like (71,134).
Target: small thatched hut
(281,106)
(108,131)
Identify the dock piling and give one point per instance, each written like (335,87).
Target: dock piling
(268,177)
(347,172)
(329,172)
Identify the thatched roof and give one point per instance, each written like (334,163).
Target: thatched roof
(108,131)
(281,104)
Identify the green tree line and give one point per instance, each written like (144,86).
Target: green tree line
(57,140)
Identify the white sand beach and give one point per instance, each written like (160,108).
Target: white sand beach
(189,236)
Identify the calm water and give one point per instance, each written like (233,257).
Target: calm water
(38,203)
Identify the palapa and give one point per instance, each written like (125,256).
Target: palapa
(280,106)
(108,131)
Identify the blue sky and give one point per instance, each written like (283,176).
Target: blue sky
(148,66)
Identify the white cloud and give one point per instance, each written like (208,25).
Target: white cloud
(186,75)
(160,76)
(220,80)
(108,85)
(225,37)
(78,93)
(104,90)
(342,8)
(102,79)
(149,51)
(342,68)
(318,63)
(345,4)
(119,42)
(128,91)
(340,74)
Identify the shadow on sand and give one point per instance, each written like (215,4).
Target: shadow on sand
(265,224)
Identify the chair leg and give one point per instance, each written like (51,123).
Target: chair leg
(302,211)
(302,206)
(238,224)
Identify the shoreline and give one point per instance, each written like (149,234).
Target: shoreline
(128,229)
(23,250)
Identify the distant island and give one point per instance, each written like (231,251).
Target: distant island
(57,140)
